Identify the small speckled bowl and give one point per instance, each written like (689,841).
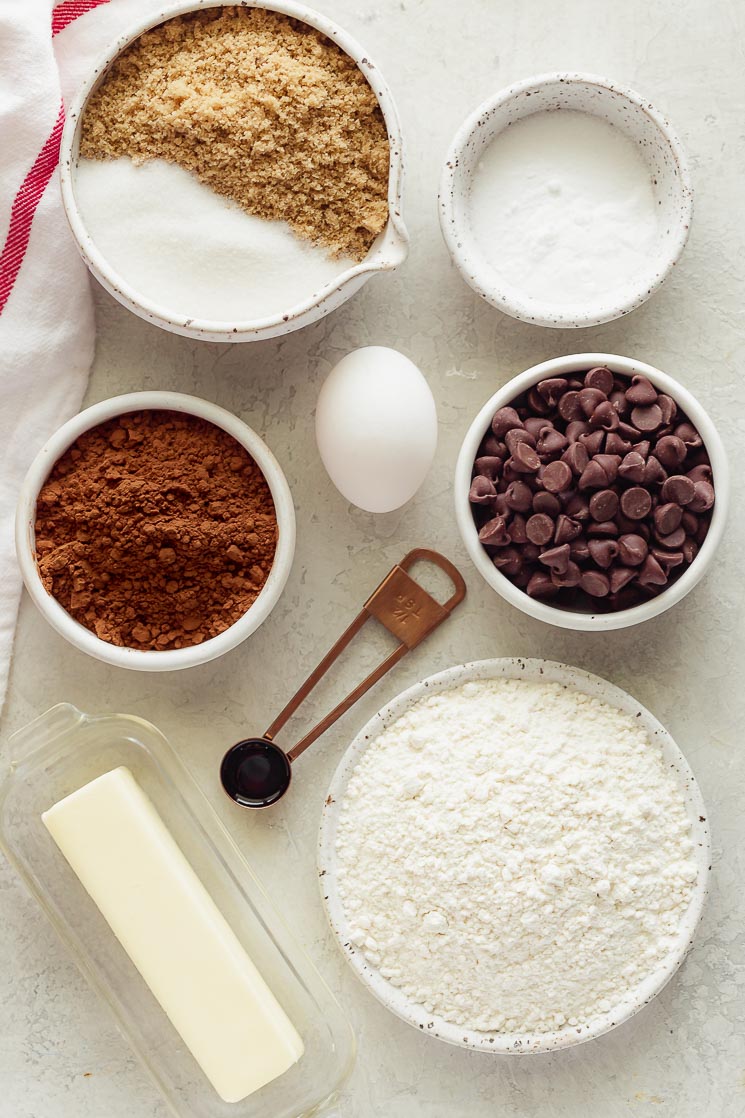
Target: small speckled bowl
(388,252)
(392,997)
(625,110)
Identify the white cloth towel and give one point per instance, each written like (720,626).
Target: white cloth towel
(46,313)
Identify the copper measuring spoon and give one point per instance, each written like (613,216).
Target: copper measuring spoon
(256,772)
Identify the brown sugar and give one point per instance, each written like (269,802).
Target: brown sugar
(155,530)
(263,109)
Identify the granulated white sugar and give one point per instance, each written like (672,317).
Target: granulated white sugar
(515,856)
(562,207)
(192,252)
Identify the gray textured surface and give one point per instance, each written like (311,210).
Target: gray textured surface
(684,1055)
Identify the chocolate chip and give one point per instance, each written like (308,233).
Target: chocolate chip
(690,550)
(600,377)
(567,529)
(605,416)
(556,476)
(540,528)
(651,573)
(525,459)
(535,424)
(517,530)
(632,467)
(620,403)
(540,585)
(483,491)
(577,507)
(595,584)
(632,549)
(546,502)
(604,505)
(672,540)
(667,559)
(700,473)
(488,466)
(602,528)
(667,518)
(646,417)
(610,463)
(579,549)
(551,442)
(494,533)
(671,451)
(505,420)
(518,435)
(636,503)
(557,558)
(576,457)
(569,577)
(570,406)
(589,399)
(668,407)
(519,496)
(654,473)
(614,444)
(603,552)
(576,428)
(620,577)
(508,561)
(690,522)
(537,404)
(593,442)
(594,476)
(688,434)
(703,497)
(679,489)
(552,389)
(641,391)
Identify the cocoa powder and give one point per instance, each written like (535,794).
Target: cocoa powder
(155,530)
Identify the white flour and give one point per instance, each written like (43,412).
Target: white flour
(515,856)
(562,207)
(191,251)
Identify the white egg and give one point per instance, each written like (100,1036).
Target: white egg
(376,428)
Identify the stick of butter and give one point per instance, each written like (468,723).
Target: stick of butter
(172,930)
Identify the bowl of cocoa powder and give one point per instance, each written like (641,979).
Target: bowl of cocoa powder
(591,492)
(234,171)
(155,531)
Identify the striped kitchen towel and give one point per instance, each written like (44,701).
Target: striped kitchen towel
(46,313)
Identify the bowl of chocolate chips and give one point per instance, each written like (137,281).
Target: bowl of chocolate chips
(591,491)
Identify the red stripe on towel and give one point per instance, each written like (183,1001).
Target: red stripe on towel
(35,183)
(69,10)
(24,207)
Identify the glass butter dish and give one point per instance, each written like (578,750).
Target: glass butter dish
(58,754)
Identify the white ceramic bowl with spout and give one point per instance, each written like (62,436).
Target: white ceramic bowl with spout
(388,251)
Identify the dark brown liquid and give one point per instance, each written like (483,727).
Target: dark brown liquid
(255,772)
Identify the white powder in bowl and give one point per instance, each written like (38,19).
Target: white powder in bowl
(515,856)
(562,208)
(191,251)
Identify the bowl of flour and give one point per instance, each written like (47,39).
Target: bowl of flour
(565,200)
(514,856)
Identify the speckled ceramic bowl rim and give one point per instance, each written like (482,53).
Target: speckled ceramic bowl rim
(392,997)
(141,659)
(395,233)
(508,298)
(570,619)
